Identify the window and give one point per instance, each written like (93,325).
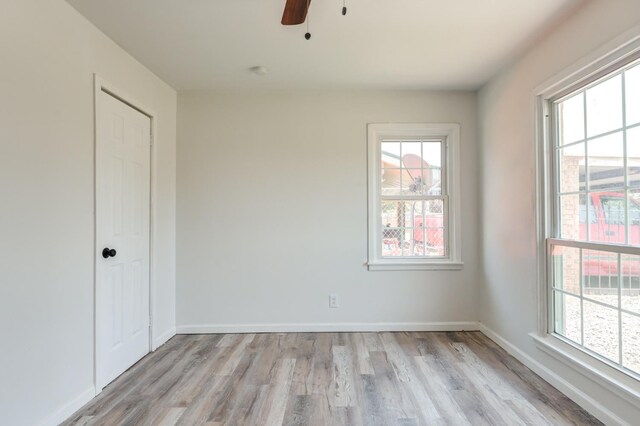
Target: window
(413,205)
(593,284)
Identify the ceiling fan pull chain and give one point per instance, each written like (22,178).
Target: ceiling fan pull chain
(344,7)
(308,34)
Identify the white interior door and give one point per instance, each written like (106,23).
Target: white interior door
(122,237)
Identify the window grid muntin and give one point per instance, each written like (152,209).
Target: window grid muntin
(555,208)
(444,195)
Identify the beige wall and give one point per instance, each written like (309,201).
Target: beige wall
(507,155)
(272,212)
(48,55)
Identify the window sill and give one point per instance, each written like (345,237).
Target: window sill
(415,266)
(619,383)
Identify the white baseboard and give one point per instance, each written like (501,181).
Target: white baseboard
(64,412)
(598,410)
(327,327)
(163,338)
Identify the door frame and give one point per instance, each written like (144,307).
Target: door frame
(102,85)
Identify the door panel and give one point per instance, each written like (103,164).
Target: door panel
(122,224)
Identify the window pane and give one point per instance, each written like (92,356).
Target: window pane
(434,228)
(429,230)
(411,148)
(601,330)
(397,214)
(606,163)
(630,296)
(604,106)
(408,243)
(631,342)
(632,86)
(390,154)
(633,156)
(566,268)
(432,154)
(571,119)
(390,184)
(423,163)
(435,187)
(391,241)
(633,206)
(567,316)
(612,208)
(413,181)
(412,213)
(573,214)
(390,210)
(572,173)
(418,228)
(600,276)
(610,218)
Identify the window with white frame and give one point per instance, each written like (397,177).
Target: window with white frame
(593,214)
(413,196)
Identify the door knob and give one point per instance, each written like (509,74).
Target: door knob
(107,253)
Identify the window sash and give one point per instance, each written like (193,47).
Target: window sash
(442,141)
(554,142)
(552,290)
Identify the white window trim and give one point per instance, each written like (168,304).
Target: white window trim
(588,69)
(450,133)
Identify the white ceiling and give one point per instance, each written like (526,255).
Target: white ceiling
(403,44)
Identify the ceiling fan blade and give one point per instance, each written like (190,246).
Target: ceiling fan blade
(295,12)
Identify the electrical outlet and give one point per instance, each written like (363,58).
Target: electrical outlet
(333,301)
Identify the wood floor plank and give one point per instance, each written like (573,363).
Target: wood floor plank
(395,399)
(407,375)
(230,391)
(233,355)
(198,411)
(372,342)
(435,384)
(316,379)
(372,403)
(303,372)
(322,365)
(171,417)
(274,410)
(343,394)
(359,346)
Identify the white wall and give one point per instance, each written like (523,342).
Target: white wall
(48,54)
(272,213)
(507,153)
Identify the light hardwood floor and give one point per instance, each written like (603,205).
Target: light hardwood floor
(331,379)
